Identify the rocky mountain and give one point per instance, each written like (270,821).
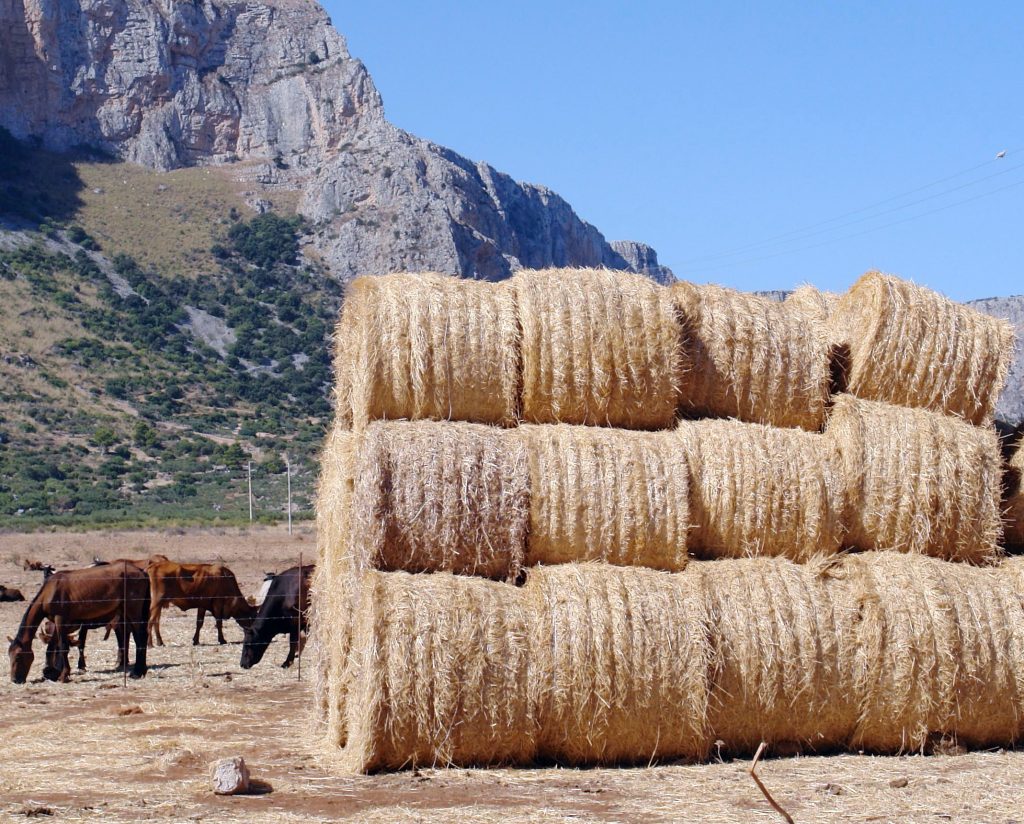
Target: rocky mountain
(270,88)
(1010,409)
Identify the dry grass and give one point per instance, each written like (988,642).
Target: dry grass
(606,494)
(918,481)
(427,346)
(598,347)
(759,490)
(590,664)
(753,358)
(911,346)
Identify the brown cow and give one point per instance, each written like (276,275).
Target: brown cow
(8,594)
(204,587)
(84,598)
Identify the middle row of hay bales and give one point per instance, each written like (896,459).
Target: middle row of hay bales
(481,500)
(594,664)
(605,348)
(1015,495)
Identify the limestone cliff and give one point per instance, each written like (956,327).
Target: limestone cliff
(272,87)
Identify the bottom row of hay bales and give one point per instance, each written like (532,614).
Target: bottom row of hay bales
(594,664)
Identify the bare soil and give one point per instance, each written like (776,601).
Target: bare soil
(96,750)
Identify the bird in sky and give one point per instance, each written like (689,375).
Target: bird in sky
(1001,154)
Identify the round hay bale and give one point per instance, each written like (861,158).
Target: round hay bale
(813,301)
(440,674)
(620,657)
(918,481)
(1014,517)
(606,494)
(432,497)
(784,644)
(914,347)
(427,346)
(759,490)
(752,358)
(940,654)
(598,347)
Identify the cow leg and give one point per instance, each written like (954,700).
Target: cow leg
(121,634)
(293,647)
(200,617)
(154,625)
(220,631)
(138,632)
(81,648)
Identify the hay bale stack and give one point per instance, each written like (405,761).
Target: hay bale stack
(911,346)
(759,490)
(593,664)
(606,494)
(598,347)
(752,358)
(585,664)
(427,346)
(940,653)
(784,639)
(918,481)
(1014,519)
(439,497)
(332,588)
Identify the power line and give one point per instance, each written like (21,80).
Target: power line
(866,231)
(799,234)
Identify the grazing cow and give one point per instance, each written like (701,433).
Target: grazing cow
(284,610)
(84,598)
(204,587)
(10,594)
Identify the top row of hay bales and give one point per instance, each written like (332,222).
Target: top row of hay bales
(606,348)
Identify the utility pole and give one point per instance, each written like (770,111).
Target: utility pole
(288,468)
(250,492)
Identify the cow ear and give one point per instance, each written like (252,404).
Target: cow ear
(10,639)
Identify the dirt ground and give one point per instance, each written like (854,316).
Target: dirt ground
(94,750)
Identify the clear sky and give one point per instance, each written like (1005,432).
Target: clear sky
(743,141)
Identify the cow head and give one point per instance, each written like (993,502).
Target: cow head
(252,649)
(21,661)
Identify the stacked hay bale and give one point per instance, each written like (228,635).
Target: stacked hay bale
(581,517)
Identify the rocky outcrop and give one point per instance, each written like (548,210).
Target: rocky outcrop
(1010,408)
(166,83)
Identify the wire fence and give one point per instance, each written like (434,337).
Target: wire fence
(76,597)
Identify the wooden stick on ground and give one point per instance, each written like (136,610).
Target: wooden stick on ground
(763,789)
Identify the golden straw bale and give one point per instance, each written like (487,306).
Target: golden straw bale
(1014,520)
(440,497)
(439,674)
(427,346)
(940,654)
(918,481)
(753,358)
(598,347)
(911,346)
(814,301)
(606,494)
(584,664)
(331,586)
(784,645)
(620,657)
(759,490)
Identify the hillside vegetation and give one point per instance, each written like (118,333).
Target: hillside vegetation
(151,347)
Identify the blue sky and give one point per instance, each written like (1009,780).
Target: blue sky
(742,140)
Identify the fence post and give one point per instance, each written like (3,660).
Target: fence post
(298,632)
